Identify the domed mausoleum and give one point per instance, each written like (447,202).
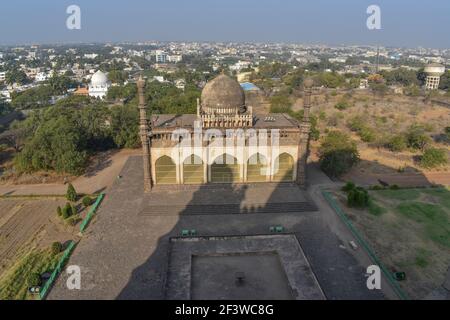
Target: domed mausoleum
(258,147)
(98,88)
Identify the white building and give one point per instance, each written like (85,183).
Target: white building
(98,88)
(2,76)
(161,56)
(41,77)
(175,58)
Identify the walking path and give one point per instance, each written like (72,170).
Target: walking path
(98,178)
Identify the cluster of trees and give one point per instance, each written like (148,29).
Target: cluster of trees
(63,139)
(40,96)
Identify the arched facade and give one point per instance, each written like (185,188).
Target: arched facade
(214,167)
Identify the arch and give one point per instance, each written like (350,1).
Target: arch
(284,168)
(166,171)
(257,169)
(193,170)
(225,169)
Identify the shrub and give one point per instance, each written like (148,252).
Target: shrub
(71,194)
(433,158)
(342,105)
(59,211)
(349,186)
(397,143)
(73,221)
(87,201)
(74,210)
(358,198)
(447,133)
(394,187)
(67,211)
(337,154)
(56,248)
(367,134)
(34,280)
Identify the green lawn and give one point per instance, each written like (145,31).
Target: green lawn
(14,282)
(429,207)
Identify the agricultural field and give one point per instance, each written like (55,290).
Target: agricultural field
(409,229)
(28,228)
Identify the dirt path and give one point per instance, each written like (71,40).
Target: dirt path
(99,177)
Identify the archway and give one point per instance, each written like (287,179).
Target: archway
(284,168)
(257,168)
(166,171)
(225,169)
(193,170)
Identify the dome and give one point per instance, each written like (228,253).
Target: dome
(99,79)
(223,95)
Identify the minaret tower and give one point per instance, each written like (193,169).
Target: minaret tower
(145,132)
(305,127)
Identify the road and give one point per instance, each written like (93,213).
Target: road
(98,178)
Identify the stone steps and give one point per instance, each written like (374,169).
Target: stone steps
(290,207)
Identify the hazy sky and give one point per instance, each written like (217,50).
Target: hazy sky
(409,23)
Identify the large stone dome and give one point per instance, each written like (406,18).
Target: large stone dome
(223,95)
(99,79)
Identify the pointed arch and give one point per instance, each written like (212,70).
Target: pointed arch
(284,168)
(193,170)
(257,169)
(166,171)
(225,169)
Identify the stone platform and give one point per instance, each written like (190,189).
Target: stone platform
(274,267)
(215,199)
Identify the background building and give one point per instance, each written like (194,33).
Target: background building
(99,85)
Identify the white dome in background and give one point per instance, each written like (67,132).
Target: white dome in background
(99,79)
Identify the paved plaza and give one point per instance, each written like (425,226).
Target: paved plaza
(126,253)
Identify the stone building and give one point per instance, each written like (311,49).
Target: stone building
(225,142)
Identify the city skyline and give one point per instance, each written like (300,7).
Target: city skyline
(322,22)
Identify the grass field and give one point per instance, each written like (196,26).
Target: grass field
(410,231)
(14,283)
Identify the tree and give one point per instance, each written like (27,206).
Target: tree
(125,126)
(14,138)
(417,138)
(433,158)
(337,154)
(16,76)
(379,88)
(60,84)
(71,194)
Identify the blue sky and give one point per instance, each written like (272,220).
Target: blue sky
(408,23)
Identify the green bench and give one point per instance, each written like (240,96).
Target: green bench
(276,229)
(187,233)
